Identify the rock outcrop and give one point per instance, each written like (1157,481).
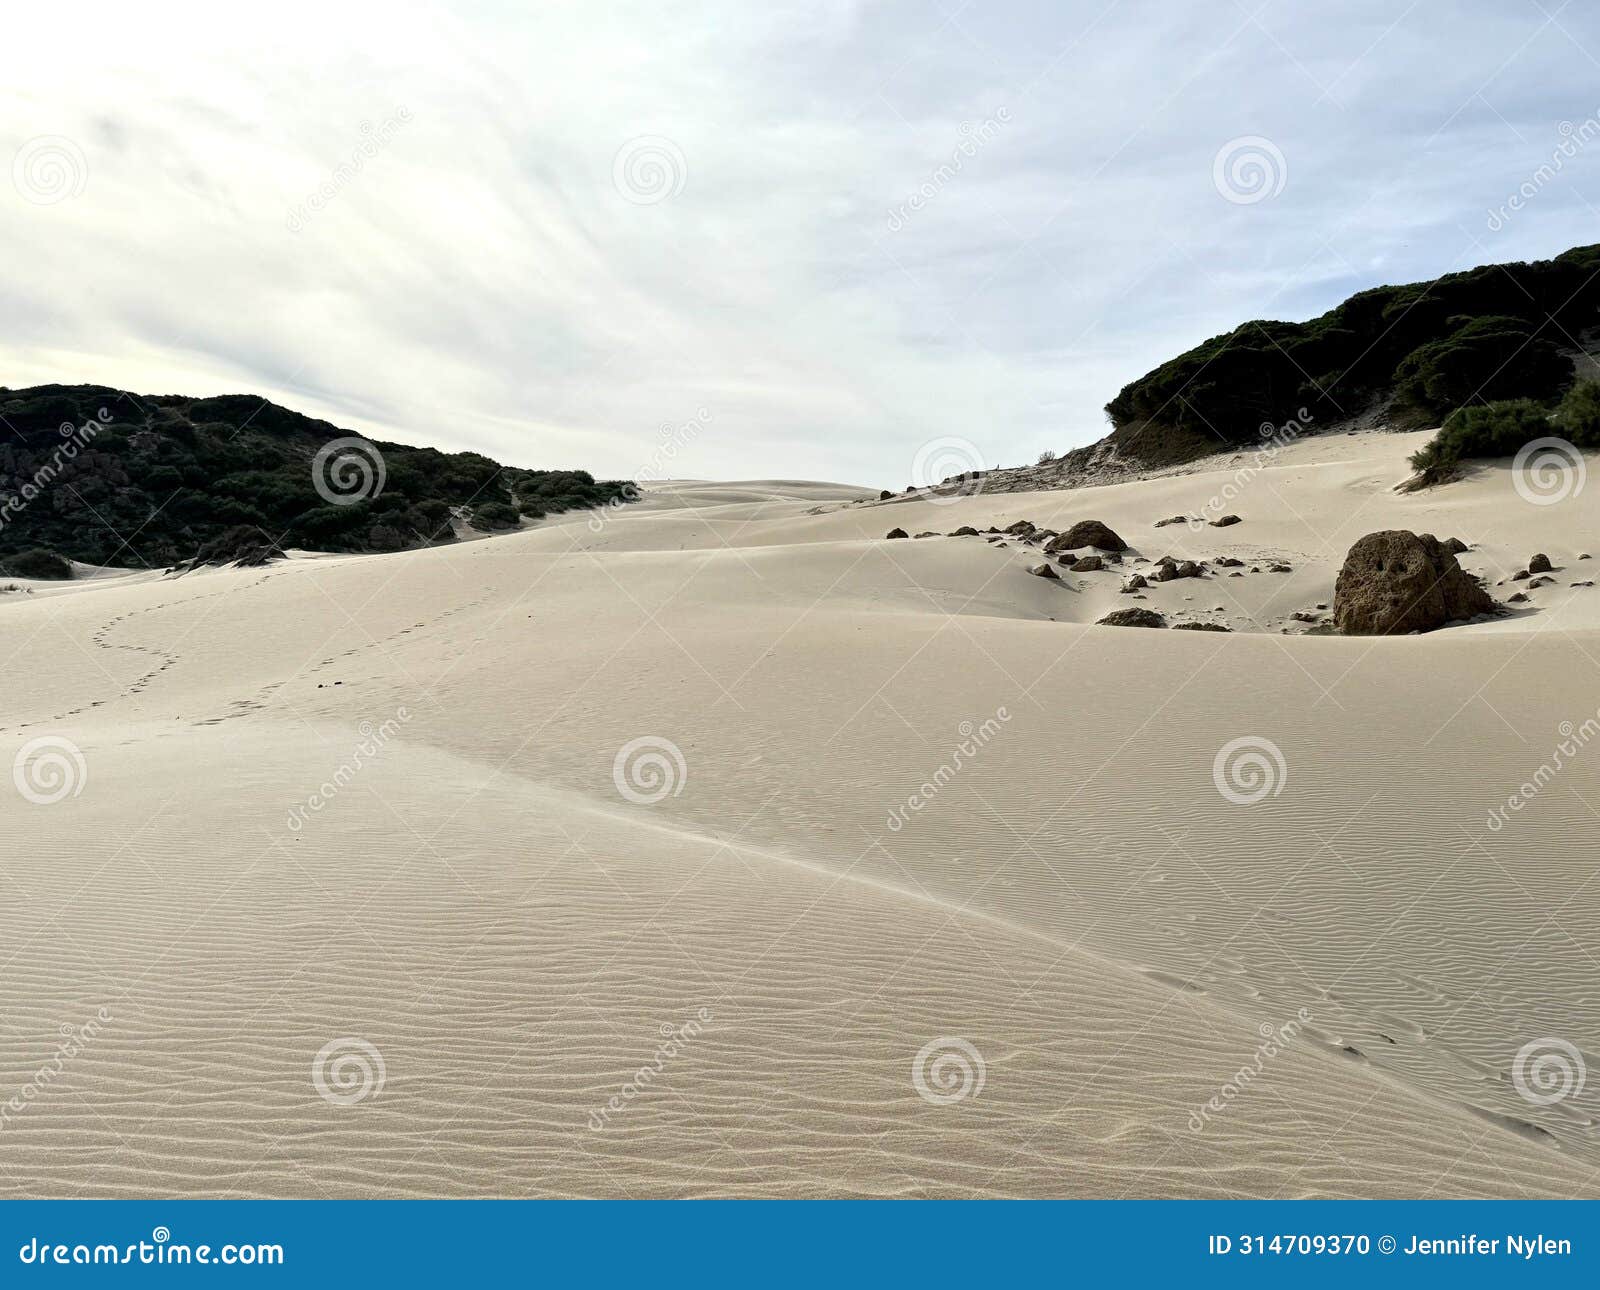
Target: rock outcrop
(1395,582)
(1133,618)
(1087,533)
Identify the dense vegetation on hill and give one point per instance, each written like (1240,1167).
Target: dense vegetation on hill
(1426,349)
(1499,429)
(113,478)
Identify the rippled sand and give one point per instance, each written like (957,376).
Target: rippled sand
(940,895)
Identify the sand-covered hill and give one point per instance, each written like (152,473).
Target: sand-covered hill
(716,845)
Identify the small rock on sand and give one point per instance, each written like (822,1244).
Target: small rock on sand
(1133,618)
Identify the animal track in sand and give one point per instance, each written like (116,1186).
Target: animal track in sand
(381,642)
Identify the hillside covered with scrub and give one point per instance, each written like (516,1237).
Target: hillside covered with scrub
(111,478)
(1424,351)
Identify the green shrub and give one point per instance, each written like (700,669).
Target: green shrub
(494,515)
(36,563)
(1492,358)
(1578,417)
(1484,430)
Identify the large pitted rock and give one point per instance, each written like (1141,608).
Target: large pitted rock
(1133,618)
(1087,533)
(1396,581)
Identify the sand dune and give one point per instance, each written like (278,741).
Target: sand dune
(921,799)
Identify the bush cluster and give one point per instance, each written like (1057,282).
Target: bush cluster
(169,478)
(1500,428)
(1427,348)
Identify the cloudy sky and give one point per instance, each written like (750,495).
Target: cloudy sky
(788,239)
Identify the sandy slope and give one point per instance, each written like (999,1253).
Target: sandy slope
(1073,897)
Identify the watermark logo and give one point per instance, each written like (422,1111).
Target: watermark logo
(1249,769)
(374,739)
(974,739)
(49,769)
(49,168)
(1274,439)
(374,139)
(649,169)
(1274,1039)
(946,461)
(74,1039)
(1249,169)
(671,440)
(972,138)
(348,470)
(649,769)
(347,1071)
(1573,740)
(74,439)
(1547,471)
(947,1070)
(1547,1071)
(673,1041)
(1574,139)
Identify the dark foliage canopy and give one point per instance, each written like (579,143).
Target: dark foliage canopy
(113,478)
(1427,348)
